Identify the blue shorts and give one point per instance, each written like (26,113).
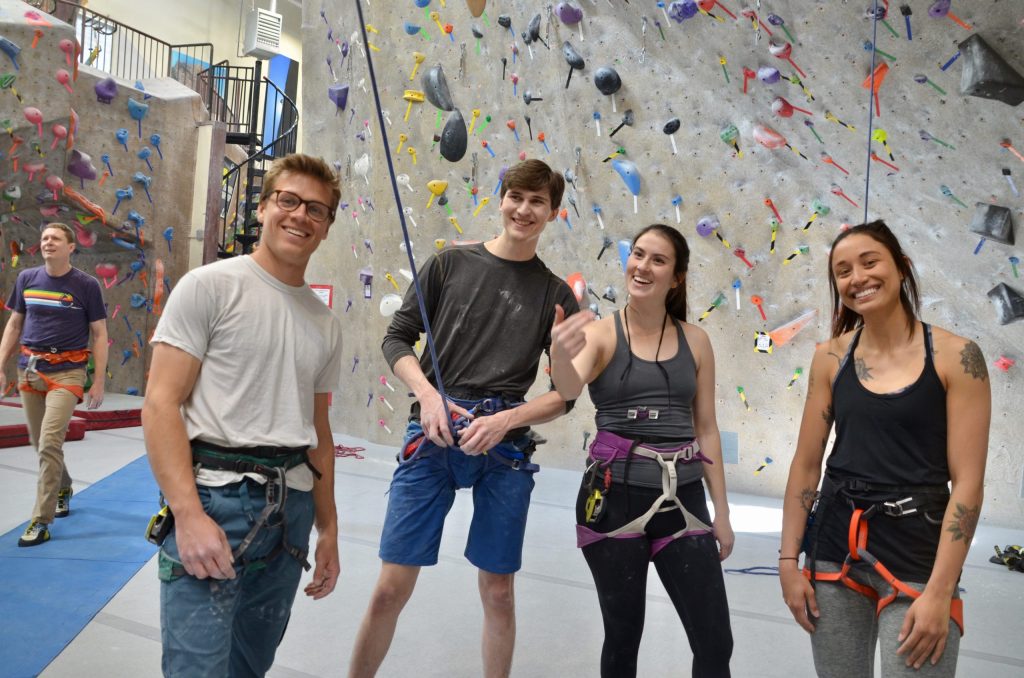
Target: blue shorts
(423,491)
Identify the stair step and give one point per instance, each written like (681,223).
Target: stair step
(242,138)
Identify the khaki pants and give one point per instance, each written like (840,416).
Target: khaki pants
(48,416)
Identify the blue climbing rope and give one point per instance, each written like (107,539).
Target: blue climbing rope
(401,217)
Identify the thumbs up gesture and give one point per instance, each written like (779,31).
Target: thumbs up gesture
(567,335)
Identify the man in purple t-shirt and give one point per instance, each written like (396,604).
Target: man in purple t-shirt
(57,312)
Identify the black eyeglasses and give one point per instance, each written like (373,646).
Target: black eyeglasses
(289,202)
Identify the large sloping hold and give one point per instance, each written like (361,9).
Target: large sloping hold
(994,222)
(987,75)
(1009,303)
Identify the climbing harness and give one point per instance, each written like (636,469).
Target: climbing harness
(52,356)
(902,501)
(609,459)
(270,462)
(515,454)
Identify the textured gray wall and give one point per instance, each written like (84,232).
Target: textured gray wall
(681,76)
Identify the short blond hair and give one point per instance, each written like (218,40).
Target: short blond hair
(308,165)
(69,232)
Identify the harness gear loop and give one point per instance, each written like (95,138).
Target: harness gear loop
(53,357)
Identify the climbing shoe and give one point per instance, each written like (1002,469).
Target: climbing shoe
(64,503)
(35,534)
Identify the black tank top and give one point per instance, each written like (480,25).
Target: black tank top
(889,439)
(629,384)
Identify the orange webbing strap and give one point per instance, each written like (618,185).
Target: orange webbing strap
(76,356)
(51,385)
(956,609)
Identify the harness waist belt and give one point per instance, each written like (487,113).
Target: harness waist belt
(54,356)
(610,447)
(262,459)
(642,472)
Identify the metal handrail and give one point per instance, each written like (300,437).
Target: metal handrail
(125,52)
(239,228)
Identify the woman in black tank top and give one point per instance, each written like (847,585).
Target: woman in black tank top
(651,378)
(911,406)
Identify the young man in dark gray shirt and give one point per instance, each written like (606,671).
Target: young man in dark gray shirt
(491,307)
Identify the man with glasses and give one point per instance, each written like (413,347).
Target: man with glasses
(236,426)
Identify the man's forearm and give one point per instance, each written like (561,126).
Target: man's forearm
(543,408)
(11,337)
(408,369)
(170,457)
(100,351)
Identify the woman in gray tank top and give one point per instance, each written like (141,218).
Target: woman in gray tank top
(652,380)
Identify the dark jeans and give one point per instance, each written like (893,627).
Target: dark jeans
(232,627)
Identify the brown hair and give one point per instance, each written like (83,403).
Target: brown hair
(69,233)
(308,165)
(534,175)
(844,319)
(675,302)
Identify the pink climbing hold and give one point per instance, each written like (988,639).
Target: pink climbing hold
(55,184)
(35,116)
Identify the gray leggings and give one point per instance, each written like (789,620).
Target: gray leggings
(848,630)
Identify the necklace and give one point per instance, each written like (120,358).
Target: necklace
(629,343)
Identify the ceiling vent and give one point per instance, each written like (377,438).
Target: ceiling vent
(262,34)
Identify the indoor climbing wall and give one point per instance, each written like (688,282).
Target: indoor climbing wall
(746,126)
(112,159)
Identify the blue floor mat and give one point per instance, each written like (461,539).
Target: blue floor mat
(49,593)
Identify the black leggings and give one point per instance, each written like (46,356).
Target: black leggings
(689,569)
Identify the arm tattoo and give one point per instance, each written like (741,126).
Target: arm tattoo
(807,498)
(963,523)
(973,361)
(828,415)
(836,356)
(863,371)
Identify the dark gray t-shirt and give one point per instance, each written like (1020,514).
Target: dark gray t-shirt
(491,319)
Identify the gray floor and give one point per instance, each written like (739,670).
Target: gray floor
(559,621)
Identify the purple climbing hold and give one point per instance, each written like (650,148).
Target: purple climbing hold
(768,75)
(681,11)
(106,90)
(339,95)
(569,14)
(80,165)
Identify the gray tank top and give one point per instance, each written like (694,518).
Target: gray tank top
(633,399)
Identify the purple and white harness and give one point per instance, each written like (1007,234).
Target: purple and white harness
(608,448)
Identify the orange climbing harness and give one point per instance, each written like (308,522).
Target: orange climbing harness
(857,541)
(53,357)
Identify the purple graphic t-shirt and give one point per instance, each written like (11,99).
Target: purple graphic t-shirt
(57,312)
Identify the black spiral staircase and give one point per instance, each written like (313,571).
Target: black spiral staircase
(243,99)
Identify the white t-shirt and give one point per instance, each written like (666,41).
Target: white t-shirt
(265,347)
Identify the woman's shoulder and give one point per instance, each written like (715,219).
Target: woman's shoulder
(695,335)
(835,347)
(954,353)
